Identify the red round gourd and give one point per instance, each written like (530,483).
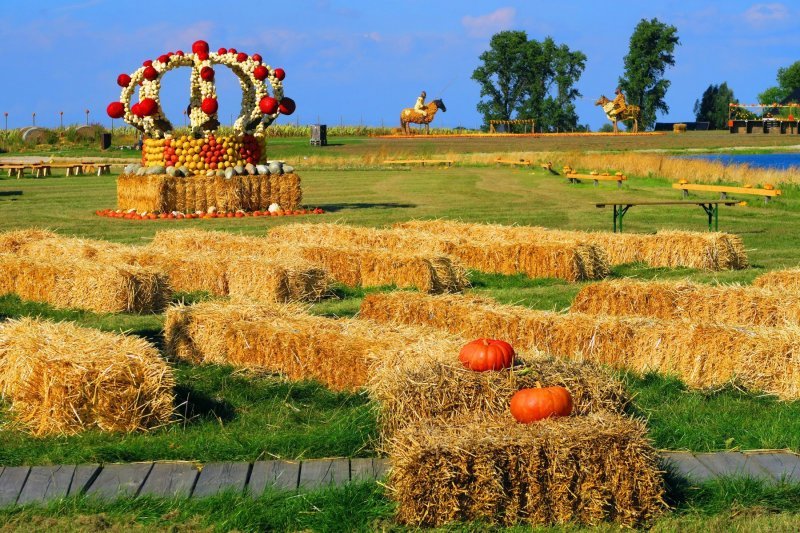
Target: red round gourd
(207,73)
(150,73)
(115,110)
(287,106)
(260,72)
(148,107)
(200,47)
(268,105)
(123,80)
(481,355)
(530,405)
(209,106)
(279,73)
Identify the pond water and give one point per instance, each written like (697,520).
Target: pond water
(777,161)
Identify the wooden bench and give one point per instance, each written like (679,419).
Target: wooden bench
(422,162)
(72,168)
(724,190)
(520,162)
(15,170)
(576,178)
(41,170)
(711,209)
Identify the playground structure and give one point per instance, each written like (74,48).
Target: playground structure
(629,112)
(410,116)
(775,118)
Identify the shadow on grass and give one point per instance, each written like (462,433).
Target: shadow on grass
(10,193)
(193,404)
(333,208)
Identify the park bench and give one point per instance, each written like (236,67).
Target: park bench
(422,162)
(724,190)
(711,209)
(72,168)
(15,170)
(574,177)
(41,170)
(520,162)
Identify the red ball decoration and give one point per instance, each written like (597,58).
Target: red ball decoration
(279,73)
(222,51)
(202,56)
(147,63)
(148,107)
(123,80)
(241,56)
(200,47)
(209,106)
(150,73)
(257,58)
(260,72)
(268,105)
(179,53)
(115,110)
(164,58)
(136,109)
(287,106)
(231,50)
(207,73)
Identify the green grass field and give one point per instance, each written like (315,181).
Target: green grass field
(234,415)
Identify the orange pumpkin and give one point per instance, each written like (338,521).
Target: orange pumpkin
(530,405)
(481,355)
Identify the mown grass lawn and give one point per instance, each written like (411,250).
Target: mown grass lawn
(233,415)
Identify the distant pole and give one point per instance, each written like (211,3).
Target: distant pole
(87,117)
(6,114)
(184,118)
(341,120)
(61,119)
(34,118)
(112,126)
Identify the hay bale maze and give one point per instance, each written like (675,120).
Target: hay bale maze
(703,250)
(584,469)
(349,265)
(60,378)
(566,260)
(727,304)
(701,354)
(165,193)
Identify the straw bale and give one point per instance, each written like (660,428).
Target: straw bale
(286,340)
(189,272)
(188,194)
(352,266)
(84,284)
(61,379)
(417,383)
(704,250)
(701,354)
(566,260)
(780,280)
(583,469)
(729,304)
(284,279)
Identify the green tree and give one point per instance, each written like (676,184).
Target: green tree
(788,82)
(522,78)
(713,106)
(650,53)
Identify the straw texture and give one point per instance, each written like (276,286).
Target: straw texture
(701,354)
(62,379)
(582,469)
(780,280)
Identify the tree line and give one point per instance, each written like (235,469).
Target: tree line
(522,78)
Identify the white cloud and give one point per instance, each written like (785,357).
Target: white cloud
(764,14)
(373,36)
(491,23)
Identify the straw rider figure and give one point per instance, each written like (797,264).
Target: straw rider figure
(420,106)
(619,103)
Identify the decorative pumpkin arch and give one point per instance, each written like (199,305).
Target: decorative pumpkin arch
(258,108)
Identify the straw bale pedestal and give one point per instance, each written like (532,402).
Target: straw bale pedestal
(164,193)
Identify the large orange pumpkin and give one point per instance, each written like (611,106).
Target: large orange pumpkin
(487,354)
(530,405)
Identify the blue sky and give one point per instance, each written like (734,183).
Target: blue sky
(362,61)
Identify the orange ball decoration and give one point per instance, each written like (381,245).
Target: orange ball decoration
(481,355)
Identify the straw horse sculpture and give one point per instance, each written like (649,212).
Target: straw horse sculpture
(630,112)
(408,115)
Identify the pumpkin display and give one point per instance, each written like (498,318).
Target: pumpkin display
(481,355)
(530,405)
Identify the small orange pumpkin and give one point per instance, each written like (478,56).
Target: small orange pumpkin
(481,355)
(530,405)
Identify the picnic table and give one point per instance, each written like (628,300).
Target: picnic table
(711,209)
(724,190)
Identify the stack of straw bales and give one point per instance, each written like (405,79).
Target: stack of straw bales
(61,379)
(420,382)
(198,193)
(780,280)
(350,265)
(576,469)
(566,260)
(728,304)
(709,251)
(702,355)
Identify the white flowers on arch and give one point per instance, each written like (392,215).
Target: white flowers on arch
(258,108)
